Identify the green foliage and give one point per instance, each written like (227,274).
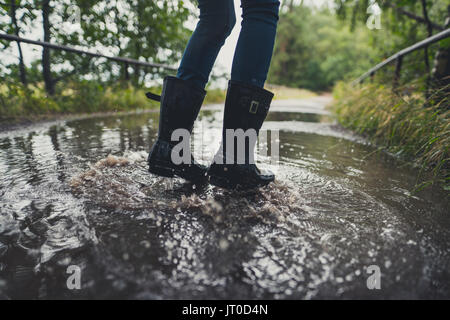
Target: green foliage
(141,29)
(412,120)
(19,103)
(215,96)
(146,30)
(317,47)
(17,100)
(314,50)
(399,27)
(24,17)
(394,17)
(404,124)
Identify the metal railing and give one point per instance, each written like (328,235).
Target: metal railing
(126,61)
(398,57)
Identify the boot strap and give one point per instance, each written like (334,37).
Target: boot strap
(153,96)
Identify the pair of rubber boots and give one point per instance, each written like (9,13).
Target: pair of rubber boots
(233,167)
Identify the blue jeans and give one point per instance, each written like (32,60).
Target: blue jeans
(254,48)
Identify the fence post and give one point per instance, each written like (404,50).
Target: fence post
(127,75)
(398,69)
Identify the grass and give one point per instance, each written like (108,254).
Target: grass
(403,122)
(19,103)
(281,93)
(25,104)
(215,96)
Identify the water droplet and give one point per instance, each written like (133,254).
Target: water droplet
(223,244)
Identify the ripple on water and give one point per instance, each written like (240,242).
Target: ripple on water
(335,210)
(286,240)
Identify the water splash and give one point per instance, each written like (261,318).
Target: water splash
(79,193)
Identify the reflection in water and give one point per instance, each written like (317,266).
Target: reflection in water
(297,116)
(78,193)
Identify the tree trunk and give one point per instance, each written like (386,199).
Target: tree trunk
(126,72)
(46,64)
(441,65)
(23,75)
(425,50)
(137,68)
(138,9)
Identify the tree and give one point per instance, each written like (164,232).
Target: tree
(46,55)
(140,29)
(148,30)
(314,49)
(408,20)
(11,8)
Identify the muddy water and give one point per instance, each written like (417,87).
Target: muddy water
(77,194)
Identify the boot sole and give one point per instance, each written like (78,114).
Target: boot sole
(169,172)
(225,183)
(161,171)
(221,182)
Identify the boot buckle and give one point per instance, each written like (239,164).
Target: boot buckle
(254,107)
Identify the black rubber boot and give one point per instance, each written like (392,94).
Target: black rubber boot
(246,107)
(180,104)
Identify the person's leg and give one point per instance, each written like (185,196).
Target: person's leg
(182,96)
(256,41)
(217,19)
(247,103)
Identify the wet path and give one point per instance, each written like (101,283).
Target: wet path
(77,193)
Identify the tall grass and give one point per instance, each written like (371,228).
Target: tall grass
(404,123)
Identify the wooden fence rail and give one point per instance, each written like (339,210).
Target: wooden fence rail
(398,57)
(126,61)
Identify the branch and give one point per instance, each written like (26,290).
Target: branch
(427,19)
(415,17)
